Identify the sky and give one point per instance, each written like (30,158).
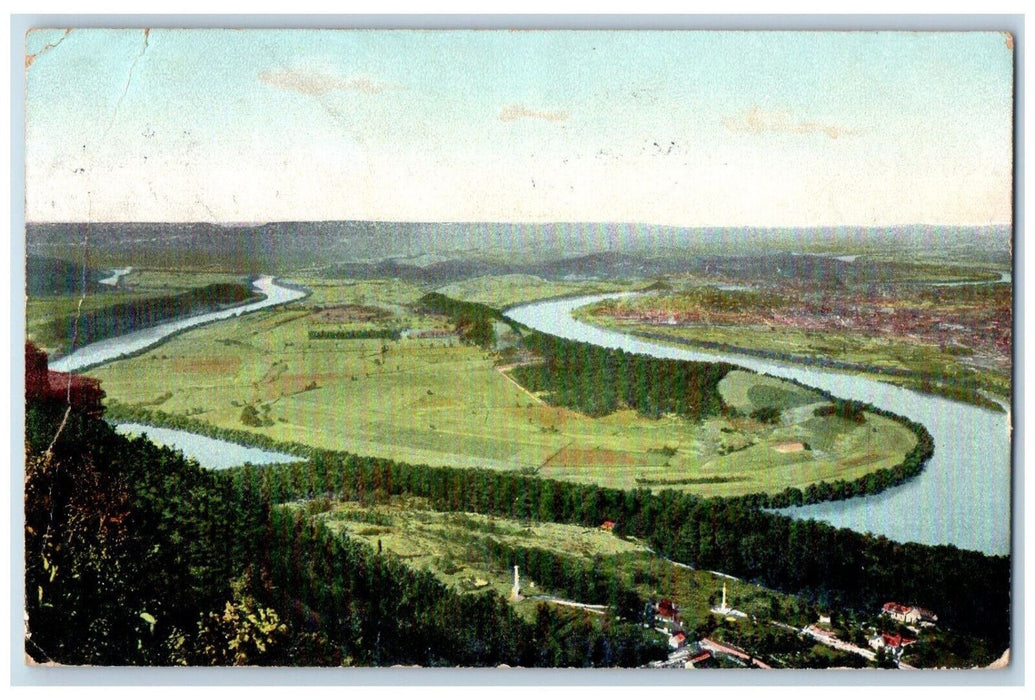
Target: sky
(672,128)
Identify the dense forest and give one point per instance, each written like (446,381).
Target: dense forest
(135,555)
(126,544)
(46,276)
(597,381)
(474,322)
(834,567)
(128,316)
(378,611)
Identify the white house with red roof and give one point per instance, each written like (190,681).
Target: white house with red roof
(894,643)
(909,614)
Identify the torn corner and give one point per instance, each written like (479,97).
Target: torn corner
(31,57)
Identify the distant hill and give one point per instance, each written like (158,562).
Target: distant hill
(441,252)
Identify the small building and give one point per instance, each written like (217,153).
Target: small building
(433,334)
(677,640)
(900,613)
(702,659)
(666,610)
(893,643)
(927,617)
(909,614)
(608,526)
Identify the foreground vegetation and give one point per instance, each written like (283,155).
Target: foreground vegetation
(152,560)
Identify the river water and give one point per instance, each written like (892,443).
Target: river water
(115,276)
(112,348)
(961,498)
(209,452)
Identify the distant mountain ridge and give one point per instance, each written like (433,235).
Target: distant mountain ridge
(455,250)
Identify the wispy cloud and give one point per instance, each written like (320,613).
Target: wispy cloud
(513,112)
(308,82)
(758,121)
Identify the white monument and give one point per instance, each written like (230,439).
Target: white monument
(724,609)
(516,592)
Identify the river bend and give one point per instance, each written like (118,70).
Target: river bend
(963,495)
(119,346)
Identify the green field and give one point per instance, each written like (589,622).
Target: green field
(439,402)
(452,547)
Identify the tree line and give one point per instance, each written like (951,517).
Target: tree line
(368,334)
(598,381)
(874,482)
(474,322)
(969,590)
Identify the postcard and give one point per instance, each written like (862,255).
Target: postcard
(519,349)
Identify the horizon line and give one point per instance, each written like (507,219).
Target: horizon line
(769,227)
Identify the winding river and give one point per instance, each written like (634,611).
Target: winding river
(961,498)
(209,452)
(119,346)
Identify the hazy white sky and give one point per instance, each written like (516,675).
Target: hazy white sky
(679,128)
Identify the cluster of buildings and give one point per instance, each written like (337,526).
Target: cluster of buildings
(894,644)
(912,616)
(663,615)
(985,329)
(432,333)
